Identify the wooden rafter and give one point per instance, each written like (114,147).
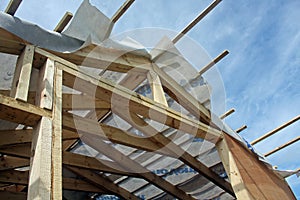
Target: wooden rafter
(122,10)
(13,6)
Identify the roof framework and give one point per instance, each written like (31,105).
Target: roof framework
(38,158)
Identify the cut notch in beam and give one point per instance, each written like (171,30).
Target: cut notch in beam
(121,10)
(63,22)
(196,20)
(13,7)
(282,146)
(276,130)
(229,112)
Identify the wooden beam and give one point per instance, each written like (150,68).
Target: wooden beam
(121,10)
(213,62)
(104,90)
(184,98)
(9,137)
(21,80)
(156,87)
(81,161)
(92,128)
(40,163)
(101,58)
(229,112)
(21,177)
(12,195)
(182,155)
(249,177)
(196,20)
(276,130)
(103,182)
(13,6)
(80,185)
(44,94)
(56,152)
(20,112)
(133,166)
(242,128)
(83,102)
(9,162)
(282,146)
(63,22)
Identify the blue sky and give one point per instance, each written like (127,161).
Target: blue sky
(261,73)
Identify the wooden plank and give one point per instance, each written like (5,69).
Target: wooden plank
(40,163)
(83,102)
(184,98)
(9,162)
(81,161)
(282,146)
(21,80)
(182,155)
(44,94)
(196,20)
(242,128)
(63,22)
(56,153)
(229,112)
(12,195)
(133,166)
(80,185)
(9,137)
(249,177)
(91,128)
(101,58)
(20,150)
(21,177)
(213,62)
(121,10)
(276,130)
(102,182)
(13,6)
(156,87)
(104,90)
(20,112)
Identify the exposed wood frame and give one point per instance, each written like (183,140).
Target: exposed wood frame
(44,94)
(103,89)
(213,62)
(295,119)
(12,195)
(40,183)
(103,182)
(282,146)
(13,6)
(21,80)
(242,128)
(63,22)
(122,10)
(156,87)
(21,177)
(167,144)
(21,112)
(250,178)
(133,166)
(229,112)
(196,20)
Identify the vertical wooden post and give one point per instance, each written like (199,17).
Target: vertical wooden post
(156,87)
(57,137)
(45,179)
(39,186)
(21,80)
(44,94)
